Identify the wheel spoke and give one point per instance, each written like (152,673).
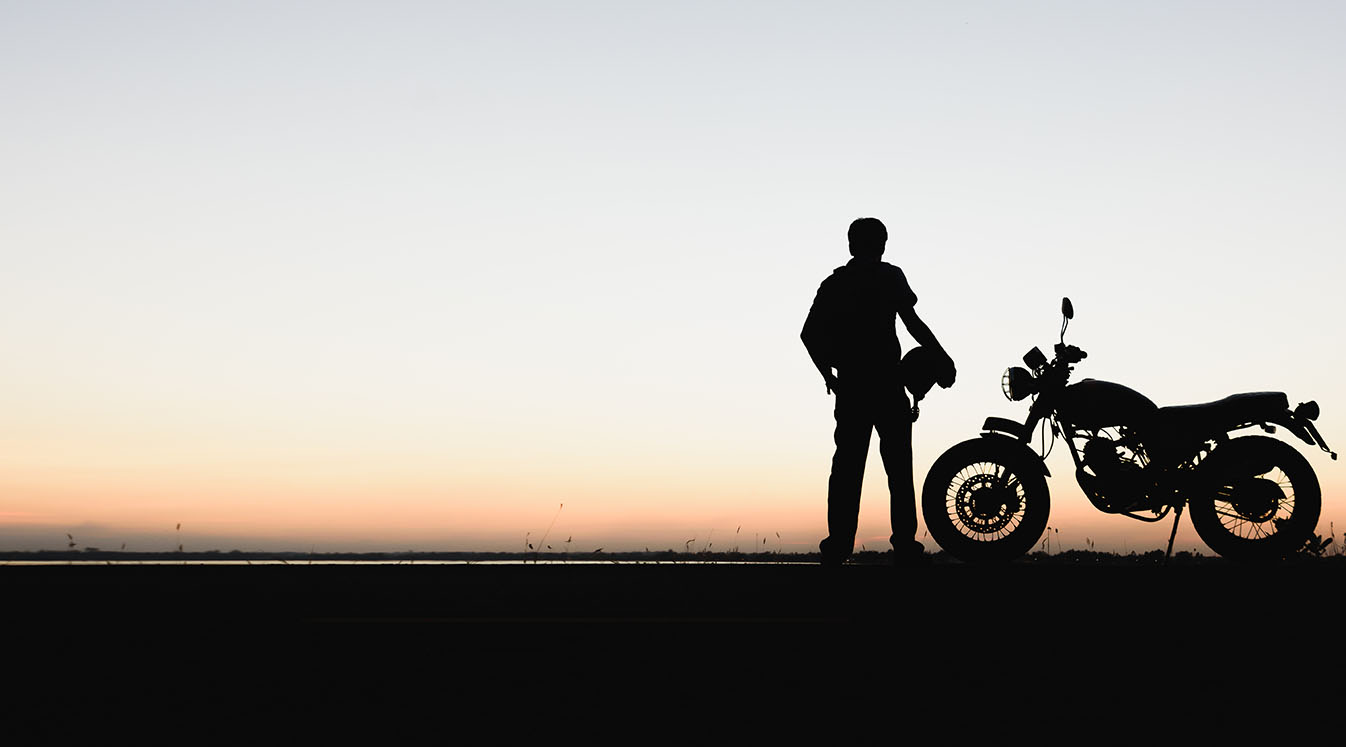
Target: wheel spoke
(1249,518)
(977,481)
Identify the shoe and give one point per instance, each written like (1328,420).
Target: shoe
(829,558)
(914,557)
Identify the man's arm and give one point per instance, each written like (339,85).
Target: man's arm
(923,336)
(814,336)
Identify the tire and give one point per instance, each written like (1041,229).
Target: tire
(1261,500)
(986,501)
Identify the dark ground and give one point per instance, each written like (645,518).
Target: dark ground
(988,642)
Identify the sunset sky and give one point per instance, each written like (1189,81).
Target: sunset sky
(411,275)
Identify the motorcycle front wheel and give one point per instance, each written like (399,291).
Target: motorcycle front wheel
(1261,500)
(985,500)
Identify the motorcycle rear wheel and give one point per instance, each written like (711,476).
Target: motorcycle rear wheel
(985,500)
(1262,501)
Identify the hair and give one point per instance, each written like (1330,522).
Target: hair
(867,237)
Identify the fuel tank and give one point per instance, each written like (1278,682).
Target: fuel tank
(1091,403)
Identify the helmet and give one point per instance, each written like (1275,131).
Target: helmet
(922,368)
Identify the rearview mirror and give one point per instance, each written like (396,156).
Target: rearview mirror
(1067,310)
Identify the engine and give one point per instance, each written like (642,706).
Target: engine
(1114,473)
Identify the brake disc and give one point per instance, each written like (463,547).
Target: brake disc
(984,505)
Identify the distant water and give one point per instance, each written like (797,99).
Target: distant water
(393,562)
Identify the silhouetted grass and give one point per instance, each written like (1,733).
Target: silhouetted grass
(863,557)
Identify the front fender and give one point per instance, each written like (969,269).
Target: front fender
(1009,442)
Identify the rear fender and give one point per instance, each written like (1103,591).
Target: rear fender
(1291,423)
(1236,456)
(1304,428)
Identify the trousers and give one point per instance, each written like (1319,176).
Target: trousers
(861,410)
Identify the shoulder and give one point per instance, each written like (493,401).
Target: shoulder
(899,282)
(892,274)
(838,277)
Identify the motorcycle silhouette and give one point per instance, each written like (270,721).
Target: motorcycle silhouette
(1252,497)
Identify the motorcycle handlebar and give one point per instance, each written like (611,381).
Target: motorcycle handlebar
(1070,354)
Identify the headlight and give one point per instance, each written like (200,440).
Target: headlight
(1018,383)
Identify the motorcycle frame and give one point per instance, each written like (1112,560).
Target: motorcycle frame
(1055,374)
(1043,408)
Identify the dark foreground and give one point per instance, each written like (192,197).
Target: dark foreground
(1087,636)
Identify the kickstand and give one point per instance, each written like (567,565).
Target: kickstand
(1177,516)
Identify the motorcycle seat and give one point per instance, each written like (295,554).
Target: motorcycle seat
(1224,414)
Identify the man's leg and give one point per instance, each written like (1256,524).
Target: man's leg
(854,426)
(894,426)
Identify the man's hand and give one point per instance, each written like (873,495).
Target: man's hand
(925,337)
(950,372)
(830,380)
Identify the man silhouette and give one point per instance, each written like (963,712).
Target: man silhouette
(851,328)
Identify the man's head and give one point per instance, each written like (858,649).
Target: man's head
(867,238)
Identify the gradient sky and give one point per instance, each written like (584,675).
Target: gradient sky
(408,275)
